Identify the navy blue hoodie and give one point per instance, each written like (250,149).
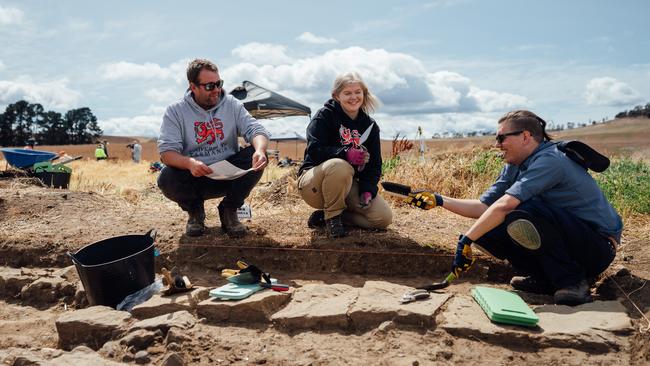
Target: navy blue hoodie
(331,132)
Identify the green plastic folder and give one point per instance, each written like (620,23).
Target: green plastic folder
(236,291)
(503,306)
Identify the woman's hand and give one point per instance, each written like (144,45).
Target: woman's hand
(356,156)
(365,199)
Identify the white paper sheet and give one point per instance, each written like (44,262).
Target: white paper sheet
(223,170)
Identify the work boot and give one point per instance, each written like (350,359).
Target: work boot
(230,222)
(335,228)
(195,224)
(531,284)
(525,234)
(574,294)
(316,219)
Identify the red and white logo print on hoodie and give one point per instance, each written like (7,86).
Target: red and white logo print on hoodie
(349,137)
(208,131)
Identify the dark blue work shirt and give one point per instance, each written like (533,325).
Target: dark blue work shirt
(549,175)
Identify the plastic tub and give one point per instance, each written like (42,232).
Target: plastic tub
(116,267)
(55,179)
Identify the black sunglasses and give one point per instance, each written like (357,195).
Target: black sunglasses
(211,86)
(502,137)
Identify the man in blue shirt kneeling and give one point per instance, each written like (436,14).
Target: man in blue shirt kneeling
(545,214)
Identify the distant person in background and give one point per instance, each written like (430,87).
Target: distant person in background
(100,153)
(545,214)
(342,164)
(136,151)
(105,147)
(202,129)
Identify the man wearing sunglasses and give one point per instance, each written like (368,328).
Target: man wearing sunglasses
(545,214)
(199,130)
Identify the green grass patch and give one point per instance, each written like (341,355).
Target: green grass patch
(487,163)
(626,185)
(389,164)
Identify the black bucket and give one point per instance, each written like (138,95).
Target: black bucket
(116,267)
(55,179)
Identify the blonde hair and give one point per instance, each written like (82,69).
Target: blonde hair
(370,101)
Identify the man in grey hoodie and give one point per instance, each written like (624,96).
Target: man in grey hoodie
(199,130)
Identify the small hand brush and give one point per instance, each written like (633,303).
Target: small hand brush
(396,189)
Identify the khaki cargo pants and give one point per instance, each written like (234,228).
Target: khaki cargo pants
(331,187)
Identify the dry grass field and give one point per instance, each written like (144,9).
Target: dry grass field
(629,137)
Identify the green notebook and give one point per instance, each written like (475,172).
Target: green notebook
(503,306)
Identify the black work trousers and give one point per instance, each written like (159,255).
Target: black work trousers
(190,192)
(571,250)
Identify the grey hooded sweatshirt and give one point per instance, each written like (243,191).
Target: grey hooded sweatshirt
(207,135)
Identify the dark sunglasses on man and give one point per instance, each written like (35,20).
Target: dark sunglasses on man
(212,86)
(502,137)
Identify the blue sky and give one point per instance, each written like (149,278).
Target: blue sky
(445,65)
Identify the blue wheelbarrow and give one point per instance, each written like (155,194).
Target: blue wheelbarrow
(26,158)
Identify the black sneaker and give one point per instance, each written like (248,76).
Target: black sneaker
(335,228)
(531,284)
(574,294)
(316,219)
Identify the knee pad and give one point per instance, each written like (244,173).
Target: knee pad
(529,231)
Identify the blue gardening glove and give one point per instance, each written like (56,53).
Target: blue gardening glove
(463,260)
(364,200)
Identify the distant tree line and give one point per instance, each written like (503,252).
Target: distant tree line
(23,123)
(638,111)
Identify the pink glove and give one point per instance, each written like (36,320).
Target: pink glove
(355,156)
(364,199)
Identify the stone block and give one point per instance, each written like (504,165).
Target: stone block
(160,305)
(92,326)
(378,302)
(317,307)
(47,290)
(180,319)
(256,308)
(595,327)
(12,280)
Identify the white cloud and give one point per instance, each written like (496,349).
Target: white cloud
(608,91)
(52,94)
(163,95)
(489,101)
(401,81)
(9,16)
(123,70)
(412,93)
(436,123)
(309,37)
(262,53)
(145,125)
(535,47)
(128,70)
(443,3)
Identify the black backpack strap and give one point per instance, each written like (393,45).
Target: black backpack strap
(584,155)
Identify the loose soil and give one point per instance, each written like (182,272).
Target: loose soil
(40,225)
